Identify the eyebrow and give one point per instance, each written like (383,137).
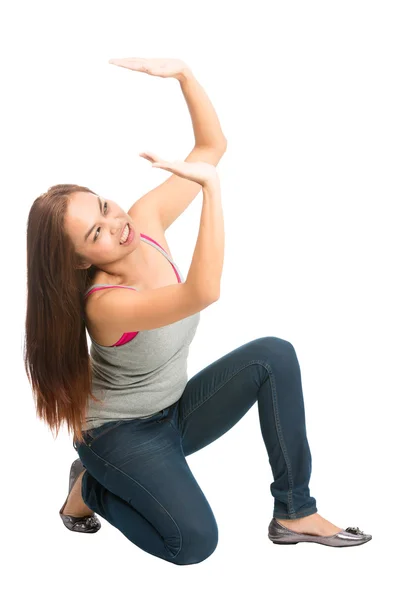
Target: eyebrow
(91,229)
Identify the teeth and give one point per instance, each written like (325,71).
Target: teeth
(125,234)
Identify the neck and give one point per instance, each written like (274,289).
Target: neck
(125,271)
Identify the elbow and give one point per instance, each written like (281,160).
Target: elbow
(214,296)
(209,298)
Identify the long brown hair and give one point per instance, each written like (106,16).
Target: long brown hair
(56,357)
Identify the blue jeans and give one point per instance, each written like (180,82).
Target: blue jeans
(137,477)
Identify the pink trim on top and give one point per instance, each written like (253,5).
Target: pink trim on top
(108,287)
(127,337)
(151,239)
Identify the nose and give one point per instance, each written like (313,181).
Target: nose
(117,226)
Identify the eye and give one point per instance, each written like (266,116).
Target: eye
(105,211)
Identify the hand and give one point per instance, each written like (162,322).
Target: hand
(200,172)
(160,67)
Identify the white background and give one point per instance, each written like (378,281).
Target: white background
(307,94)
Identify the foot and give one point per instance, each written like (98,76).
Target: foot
(313,525)
(75,506)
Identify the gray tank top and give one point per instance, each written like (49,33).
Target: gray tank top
(145,371)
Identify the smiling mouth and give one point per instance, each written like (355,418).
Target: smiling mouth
(129,231)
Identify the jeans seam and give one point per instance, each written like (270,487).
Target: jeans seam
(148,492)
(276,415)
(217,389)
(280,432)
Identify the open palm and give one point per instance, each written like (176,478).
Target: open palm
(160,67)
(200,172)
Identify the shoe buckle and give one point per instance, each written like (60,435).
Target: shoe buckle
(355,530)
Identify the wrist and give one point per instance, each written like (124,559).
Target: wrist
(212,184)
(184,75)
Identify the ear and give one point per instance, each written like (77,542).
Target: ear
(83,266)
(80,262)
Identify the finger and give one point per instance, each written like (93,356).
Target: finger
(135,64)
(151,156)
(148,154)
(162,165)
(121,59)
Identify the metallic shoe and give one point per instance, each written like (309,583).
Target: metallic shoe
(352,536)
(89,524)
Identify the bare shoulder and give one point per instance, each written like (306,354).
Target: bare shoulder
(146,221)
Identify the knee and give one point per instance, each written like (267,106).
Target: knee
(275,344)
(196,547)
(275,352)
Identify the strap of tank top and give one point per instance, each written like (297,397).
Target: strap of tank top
(97,286)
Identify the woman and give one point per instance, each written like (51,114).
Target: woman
(134,414)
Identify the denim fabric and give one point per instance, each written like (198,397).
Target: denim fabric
(137,477)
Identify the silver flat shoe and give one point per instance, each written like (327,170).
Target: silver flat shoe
(89,524)
(352,536)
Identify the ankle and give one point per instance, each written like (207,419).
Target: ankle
(312,517)
(75,504)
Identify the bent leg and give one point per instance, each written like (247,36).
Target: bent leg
(216,398)
(138,479)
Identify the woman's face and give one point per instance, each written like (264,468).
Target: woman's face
(95,225)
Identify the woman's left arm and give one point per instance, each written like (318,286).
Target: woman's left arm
(171,198)
(206,126)
(174,195)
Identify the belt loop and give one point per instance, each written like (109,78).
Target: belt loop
(163,412)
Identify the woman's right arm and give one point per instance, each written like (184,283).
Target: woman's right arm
(118,310)
(204,275)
